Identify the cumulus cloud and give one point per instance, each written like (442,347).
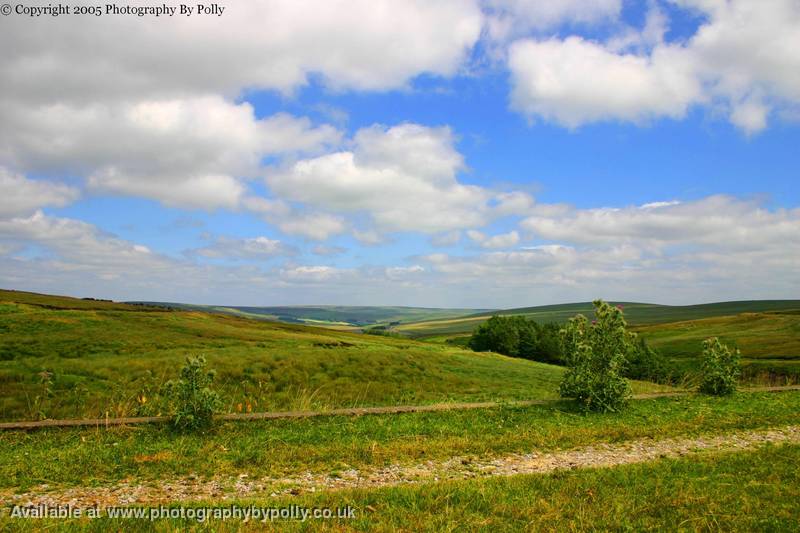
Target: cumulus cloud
(749,69)
(189,152)
(22,196)
(265,44)
(135,120)
(403,177)
(574,81)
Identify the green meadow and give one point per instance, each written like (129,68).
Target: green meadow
(62,358)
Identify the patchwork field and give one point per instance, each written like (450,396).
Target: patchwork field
(335,316)
(635,314)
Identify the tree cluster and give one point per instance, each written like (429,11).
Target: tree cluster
(518,336)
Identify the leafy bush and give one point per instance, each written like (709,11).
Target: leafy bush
(595,354)
(193,400)
(720,369)
(518,337)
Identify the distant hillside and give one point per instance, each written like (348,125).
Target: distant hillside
(332,315)
(67,302)
(636,314)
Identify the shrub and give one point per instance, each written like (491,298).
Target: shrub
(595,354)
(720,369)
(192,397)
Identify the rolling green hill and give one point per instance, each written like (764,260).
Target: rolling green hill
(635,314)
(61,357)
(769,342)
(337,316)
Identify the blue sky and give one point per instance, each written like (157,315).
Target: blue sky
(461,153)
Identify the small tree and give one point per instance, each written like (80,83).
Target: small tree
(193,399)
(720,369)
(595,356)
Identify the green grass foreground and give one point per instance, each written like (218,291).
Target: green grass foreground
(85,457)
(739,491)
(102,359)
(735,491)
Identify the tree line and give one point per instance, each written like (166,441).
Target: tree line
(518,336)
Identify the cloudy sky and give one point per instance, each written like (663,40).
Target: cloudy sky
(484,153)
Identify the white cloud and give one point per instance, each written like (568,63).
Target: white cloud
(575,81)
(718,222)
(261,44)
(509,18)
(672,252)
(314,274)
(315,226)
(79,245)
(183,152)
(22,196)
(404,177)
(748,68)
(503,240)
(250,248)
(155,115)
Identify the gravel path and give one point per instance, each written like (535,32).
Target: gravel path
(599,455)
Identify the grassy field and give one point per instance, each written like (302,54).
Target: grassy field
(77,457)
(58,360)
(635,314)
(744,491)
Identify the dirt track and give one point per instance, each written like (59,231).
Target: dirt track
(455,468)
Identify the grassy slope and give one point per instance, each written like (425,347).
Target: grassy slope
(108,360)
(635,313)
(769,342)
(82,457)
